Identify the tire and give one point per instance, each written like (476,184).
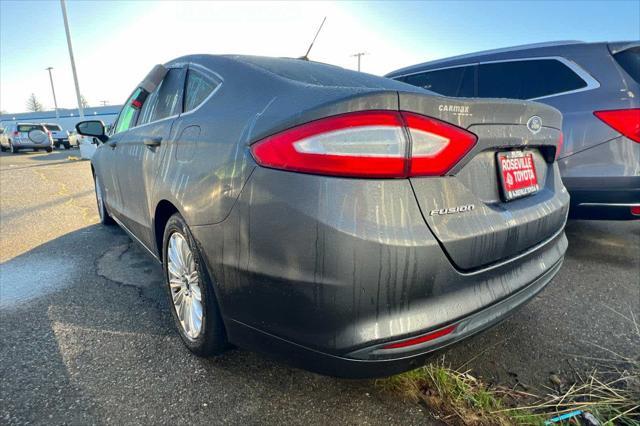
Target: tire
(57,145)
(210,338)
(105,217)
(3,149)
(49,149)
(67,145)
(13,149)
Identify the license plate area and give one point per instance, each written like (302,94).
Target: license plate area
(517,174)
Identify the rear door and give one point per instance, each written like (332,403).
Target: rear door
(140,154)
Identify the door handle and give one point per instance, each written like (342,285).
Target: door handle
(152,142)
(112,144)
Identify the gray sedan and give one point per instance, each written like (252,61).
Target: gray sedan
(347,223)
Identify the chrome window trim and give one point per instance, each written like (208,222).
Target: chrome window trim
(590,81)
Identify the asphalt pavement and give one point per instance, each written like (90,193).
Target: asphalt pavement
(86,336)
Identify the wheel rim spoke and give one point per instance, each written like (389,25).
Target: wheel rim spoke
(184,283)
(175,283)
(195,291)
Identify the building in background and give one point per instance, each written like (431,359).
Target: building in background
(68,117)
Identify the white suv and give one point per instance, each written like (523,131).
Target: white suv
(60,136)
(19,136)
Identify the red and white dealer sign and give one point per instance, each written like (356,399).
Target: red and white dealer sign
(517,173)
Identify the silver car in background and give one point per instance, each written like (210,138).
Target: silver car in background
(18,136)
(596,86)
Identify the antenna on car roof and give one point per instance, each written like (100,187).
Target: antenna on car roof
(306,55)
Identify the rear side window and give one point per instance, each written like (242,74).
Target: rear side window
(459,81)
(29,127)
(629,60)
(526,79)
(198,88)
(169,99)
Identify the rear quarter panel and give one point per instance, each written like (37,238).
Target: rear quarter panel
(208,160)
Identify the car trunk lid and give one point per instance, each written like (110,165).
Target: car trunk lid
(467,210)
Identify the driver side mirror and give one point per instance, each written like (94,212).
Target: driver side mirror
(94,128)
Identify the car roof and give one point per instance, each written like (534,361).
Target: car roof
(552,48)
(294,70)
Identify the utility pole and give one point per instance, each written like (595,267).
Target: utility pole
(55,101)
(104,103)
(73,62)
(359,55)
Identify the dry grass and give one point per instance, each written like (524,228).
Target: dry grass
(612,396)
(454,397)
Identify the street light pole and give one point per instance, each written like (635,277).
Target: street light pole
(55,101)
(73,62)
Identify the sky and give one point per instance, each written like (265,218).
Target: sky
(117,42)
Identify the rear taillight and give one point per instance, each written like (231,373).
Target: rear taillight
(16,133)
(625,121)
(374,144)
(560,144)
(635,210)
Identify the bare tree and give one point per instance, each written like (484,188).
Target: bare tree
(84,102)
(33,104)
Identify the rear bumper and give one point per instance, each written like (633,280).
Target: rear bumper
(375,361)
(31,145)
(314,268)
(609,198)
(604,180)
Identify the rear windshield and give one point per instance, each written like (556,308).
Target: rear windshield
(29,127)
(53,127)
(319,74)
(629,60)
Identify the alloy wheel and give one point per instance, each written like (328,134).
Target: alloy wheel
(184,284)
(99,200)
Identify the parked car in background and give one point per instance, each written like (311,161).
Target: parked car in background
(60,136)
(19,136)
(348,223)
(597,88)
